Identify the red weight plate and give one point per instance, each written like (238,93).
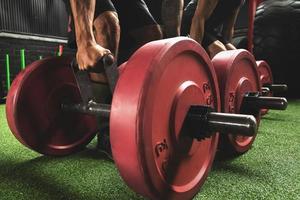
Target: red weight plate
(265,75)
(160,82)
(121,68)
(265,72)
(237,74)
(33,109)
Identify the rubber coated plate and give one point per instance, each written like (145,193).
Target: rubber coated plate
(265,75)
(237,74)
(121,68)
(160,82)
(33,109)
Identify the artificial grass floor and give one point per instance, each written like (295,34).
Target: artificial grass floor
(270,170)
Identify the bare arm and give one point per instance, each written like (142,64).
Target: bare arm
(88,52)
(203,11)
(171,14)
(83,13)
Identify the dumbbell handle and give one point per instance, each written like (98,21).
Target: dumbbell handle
(236,124)
(276,87)
(275,103)
(92,108)
(199,120)
(256,101)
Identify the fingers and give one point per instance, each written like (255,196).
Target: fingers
(215,47)
(88,57)
(230,46)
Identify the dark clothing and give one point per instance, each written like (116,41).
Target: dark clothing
(133,14)
(155,9)
(213,25)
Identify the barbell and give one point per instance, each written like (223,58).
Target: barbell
(241,92)
(164,116)
(268,87)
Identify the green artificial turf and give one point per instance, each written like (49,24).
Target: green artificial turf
(270,170)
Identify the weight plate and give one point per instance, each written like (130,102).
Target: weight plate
(33,109)
(265,75)
(121,68)
(153,95)
(237,74)
(265,72)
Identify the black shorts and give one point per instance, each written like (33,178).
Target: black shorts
(155,9)
(213,25)
(133,14)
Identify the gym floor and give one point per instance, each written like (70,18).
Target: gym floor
(270,170)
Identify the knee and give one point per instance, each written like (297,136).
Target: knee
(107,24)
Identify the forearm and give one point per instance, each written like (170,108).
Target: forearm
(171,14)
(203,12)
(197,29)
(83,13)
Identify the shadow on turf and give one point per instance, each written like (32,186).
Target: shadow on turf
(276,119)
(280,116)
(88,153)
(226,162)
(21,176)
(30,175)
(237,169)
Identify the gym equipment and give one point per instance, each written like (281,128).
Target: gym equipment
(164,115)
(22,55)
(60,50)
(240,91)
(7,63)
(266,79)
(33,109)
(163,80)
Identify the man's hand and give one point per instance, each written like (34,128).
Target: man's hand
(88,52)
(230,46)
(215,47)
(88,55)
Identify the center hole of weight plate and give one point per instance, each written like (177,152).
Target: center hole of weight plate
(187,94)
